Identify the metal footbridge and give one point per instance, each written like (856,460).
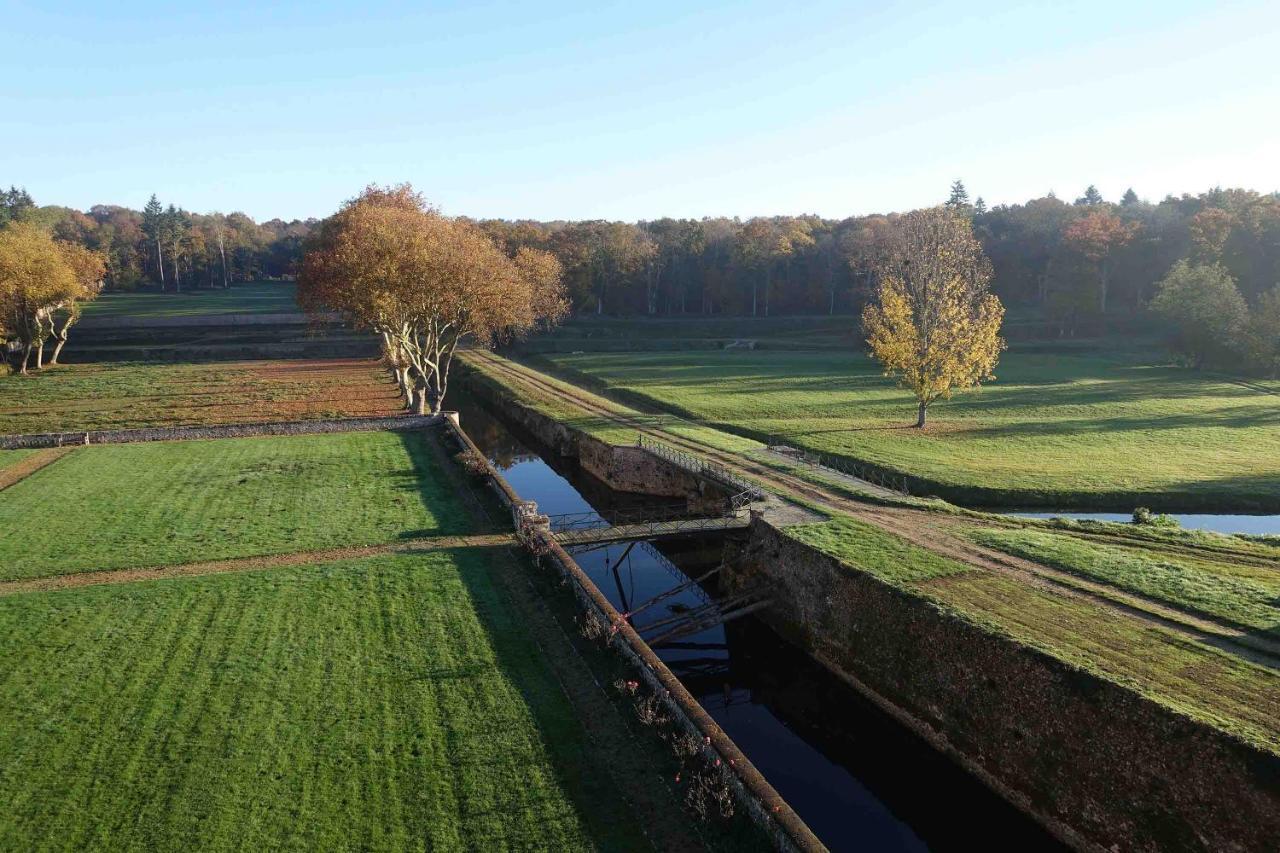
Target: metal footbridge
(596,528)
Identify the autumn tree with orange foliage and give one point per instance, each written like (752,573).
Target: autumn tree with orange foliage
(934,324)
(425,282)
(1097,236)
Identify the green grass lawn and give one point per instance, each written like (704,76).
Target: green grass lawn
(135,505)
(254,297)
(1056,429)
(12,457)
(1244,593)
(125,395)
(384,704)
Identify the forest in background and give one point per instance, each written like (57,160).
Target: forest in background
(1075,266)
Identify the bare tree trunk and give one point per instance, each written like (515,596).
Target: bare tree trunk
(26,359)
(222,251)
(920,417)
(768,281)
(160,262)
(57,350)
(40,355)
(177,283)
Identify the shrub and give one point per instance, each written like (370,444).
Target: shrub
(1143,515)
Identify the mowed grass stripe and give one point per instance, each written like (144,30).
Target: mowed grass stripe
(389,704)
(141,505)
(1059,428)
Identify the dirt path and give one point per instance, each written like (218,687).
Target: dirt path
(249,564)
(927,529)
(25,467)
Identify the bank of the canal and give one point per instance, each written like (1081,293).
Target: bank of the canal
(856,776)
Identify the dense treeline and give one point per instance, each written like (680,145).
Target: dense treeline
(1072,265)
(166,245)
(1078,261)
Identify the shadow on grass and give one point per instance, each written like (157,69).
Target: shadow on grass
(519,657)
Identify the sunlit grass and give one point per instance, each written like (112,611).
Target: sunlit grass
(388,704)
(1239,592)
(1054,429)
(255,297)
(135,505)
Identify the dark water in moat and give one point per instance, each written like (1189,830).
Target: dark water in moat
(857,777)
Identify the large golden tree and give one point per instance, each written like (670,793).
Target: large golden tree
(425,283)
(43,282)
(934,324)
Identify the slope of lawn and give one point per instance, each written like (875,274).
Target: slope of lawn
(135,505)
(385,704)
(254,297)
(125,395)
(1214,687)
(1244,593)
(1072,428)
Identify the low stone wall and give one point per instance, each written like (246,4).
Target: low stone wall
(303,427)
(1099,764)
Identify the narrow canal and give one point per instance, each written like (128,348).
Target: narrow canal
(860,779)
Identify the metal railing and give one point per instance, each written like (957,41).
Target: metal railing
(745,491)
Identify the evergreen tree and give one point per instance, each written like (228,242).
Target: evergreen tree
(979,206)
(959,196)
(1129,197)
(1091,197)
(153,225)
(14,203)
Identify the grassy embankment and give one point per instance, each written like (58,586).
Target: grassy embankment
(1232,587)
(389,702)
(1198,680)
(1214,687)
(126,395)
(253,297)
(1090,430)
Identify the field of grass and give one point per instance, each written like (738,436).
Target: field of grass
(1070,429)
(391,704)
(1208,685)
(136,505)
(1244,593)
(254,297)
(124,395)
(9,457)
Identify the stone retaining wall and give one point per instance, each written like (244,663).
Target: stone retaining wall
(1099,764)
(303,427)
(622,468)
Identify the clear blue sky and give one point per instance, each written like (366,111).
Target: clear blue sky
(635,110)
